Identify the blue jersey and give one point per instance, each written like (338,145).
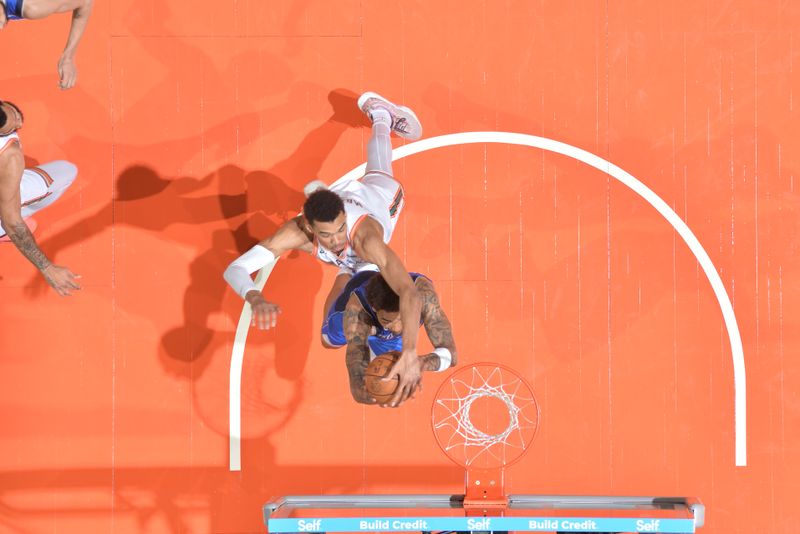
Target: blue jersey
(13,9)
(383,340)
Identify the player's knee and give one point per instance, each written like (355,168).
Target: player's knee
(70,172)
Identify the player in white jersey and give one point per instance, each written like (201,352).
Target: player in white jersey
(23,192)
(374,195)
(39,9)
(349,225)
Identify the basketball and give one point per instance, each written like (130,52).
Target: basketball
(381,390)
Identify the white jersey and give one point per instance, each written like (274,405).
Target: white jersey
(7,140)
(375,195)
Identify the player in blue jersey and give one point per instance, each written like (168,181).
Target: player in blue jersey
(39,9)
(366,317)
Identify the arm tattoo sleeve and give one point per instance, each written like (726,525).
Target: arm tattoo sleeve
(437,325)
(356,330)
(22,237)
(430,362)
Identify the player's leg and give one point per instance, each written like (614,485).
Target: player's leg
(57,176)
(34,188)
(379,146)
(386,117)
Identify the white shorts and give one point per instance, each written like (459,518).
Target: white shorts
(42,185)
(35,186)
(388,190)
(380,195)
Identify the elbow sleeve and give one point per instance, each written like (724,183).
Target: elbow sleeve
(238,272)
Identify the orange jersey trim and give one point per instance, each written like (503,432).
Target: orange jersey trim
(48,180)
(37,199)
(8,144)
(398,198)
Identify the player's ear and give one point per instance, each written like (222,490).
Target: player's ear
(307,225)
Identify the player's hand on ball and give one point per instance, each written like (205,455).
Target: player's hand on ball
(362,396)
(265,314)
(408,369)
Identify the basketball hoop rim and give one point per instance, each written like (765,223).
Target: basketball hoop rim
(507,369)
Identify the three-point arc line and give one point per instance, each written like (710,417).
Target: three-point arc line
(466,138)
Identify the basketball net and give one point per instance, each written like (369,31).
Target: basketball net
(484,418)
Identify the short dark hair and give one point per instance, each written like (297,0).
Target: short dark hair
(380,296)
(322,205)
(4,115)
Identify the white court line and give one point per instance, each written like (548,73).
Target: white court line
(465,138)
(235,387)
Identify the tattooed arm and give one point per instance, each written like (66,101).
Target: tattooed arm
(22,237)
(436,325)
(357,329)
(11,167)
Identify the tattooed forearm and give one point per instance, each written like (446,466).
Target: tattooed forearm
(357,358)
(22,237)
(356,330)
(430,362)
(437,325)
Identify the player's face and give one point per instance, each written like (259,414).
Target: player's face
(332,235)
(13,119)
(391,321)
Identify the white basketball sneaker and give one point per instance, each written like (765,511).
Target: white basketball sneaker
(404,121)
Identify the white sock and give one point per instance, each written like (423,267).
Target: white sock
(379,147)
(380,115)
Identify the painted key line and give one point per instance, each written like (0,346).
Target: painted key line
(558,147)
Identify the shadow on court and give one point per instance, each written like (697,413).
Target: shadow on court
(184,499)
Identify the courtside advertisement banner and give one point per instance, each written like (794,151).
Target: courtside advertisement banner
(483,524)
